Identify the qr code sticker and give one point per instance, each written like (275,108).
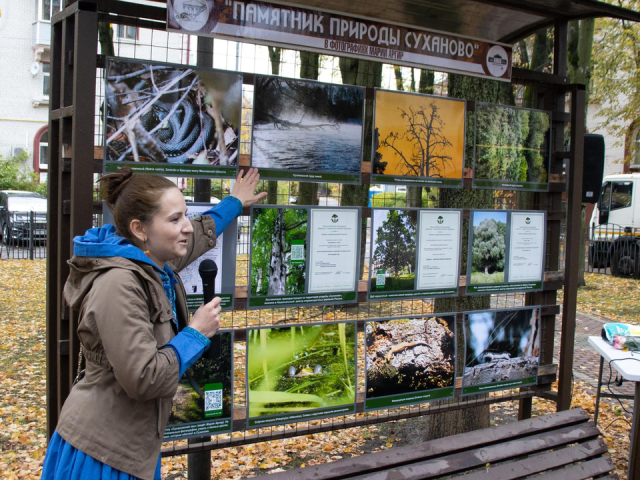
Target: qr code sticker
(297,252)
(212,400)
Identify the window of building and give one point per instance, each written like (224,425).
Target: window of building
(43,148)
(46,79)
(127,32)
(47,9)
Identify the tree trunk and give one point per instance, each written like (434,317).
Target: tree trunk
(542,48)
(366,74)
(309,68)
(275,56)
(105,37)
(427,79)
(398,73)
(278,268)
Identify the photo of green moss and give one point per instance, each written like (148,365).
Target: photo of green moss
(300,368)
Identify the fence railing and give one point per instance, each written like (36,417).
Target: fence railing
(614,249)
(24,236)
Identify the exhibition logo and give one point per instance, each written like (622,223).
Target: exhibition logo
(334,218)
(440,220)
(497,61)
(527,220)
(191,14)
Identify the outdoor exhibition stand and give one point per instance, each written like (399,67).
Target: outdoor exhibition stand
(75,158)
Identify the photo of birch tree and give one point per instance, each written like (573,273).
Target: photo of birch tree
(394,249)
(307,126)
(512,144)
(275,232)
(488,247)
(171,114)
(419,135)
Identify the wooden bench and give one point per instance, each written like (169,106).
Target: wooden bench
(562,446)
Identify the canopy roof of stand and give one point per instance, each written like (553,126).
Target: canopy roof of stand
(494,20)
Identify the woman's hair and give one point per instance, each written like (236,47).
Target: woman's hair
(131,197)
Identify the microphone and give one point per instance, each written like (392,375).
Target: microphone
(208,271)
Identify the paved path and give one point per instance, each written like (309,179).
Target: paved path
(586,360)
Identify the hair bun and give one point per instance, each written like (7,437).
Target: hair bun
(113,184)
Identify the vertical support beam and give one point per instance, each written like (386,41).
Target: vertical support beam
(74,62)
(572,255)
(199,463)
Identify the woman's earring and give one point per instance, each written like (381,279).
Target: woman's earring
(146,252)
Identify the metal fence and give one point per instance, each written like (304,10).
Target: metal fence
(24,236)
(614,249)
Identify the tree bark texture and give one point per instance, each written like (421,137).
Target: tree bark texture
(278,268)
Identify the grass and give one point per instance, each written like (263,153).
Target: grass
(479,277)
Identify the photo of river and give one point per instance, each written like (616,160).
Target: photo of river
(307,126)
(325,149)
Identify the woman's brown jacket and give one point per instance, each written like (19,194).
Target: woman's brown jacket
(118,413)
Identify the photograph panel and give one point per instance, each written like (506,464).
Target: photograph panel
(512,148)
(418,137)
(303,126)
(502,349)
(393,253)
(488,246)
(409,360)
(203,402)
(171,118)
(300,372)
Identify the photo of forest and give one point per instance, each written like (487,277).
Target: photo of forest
(393,249)
(512,144)
(488,246)
(409,355)
(277,235)
(301,367)
(171,114)
(307,126)
(418,135)
(501,345)
(188,403)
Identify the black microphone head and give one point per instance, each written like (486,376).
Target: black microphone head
(207,268)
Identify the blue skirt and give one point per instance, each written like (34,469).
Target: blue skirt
(65,462)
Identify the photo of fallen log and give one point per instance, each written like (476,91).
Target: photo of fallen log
(171,114)
(501,346)
(409,355)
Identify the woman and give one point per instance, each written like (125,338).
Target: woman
(132,325)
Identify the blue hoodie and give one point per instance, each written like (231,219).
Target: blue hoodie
(189,344)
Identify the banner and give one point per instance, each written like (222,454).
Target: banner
(287,26)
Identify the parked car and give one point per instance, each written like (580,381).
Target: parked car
(15,216)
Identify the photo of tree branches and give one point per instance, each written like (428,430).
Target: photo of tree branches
(512,144)
(418,135)
(501,345)
(188,404)
(394,249)
(409,355)
(272,270)
(488,247)
(301,367)
(309,126)
(171,114)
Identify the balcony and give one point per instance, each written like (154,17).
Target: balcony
(41,40)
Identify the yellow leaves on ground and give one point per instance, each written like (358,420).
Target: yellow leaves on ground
(612,297)
(22,369)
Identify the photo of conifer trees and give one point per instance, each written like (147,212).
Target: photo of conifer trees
(512,145)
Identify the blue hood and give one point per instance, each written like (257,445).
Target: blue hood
(105,242)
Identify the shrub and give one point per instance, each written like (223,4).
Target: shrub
(14,175)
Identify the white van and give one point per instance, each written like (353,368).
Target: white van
(614,228)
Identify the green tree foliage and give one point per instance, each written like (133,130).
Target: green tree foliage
(511,144)
(396,242)
(15,175)
(488,246)
(616,71)
(272,232)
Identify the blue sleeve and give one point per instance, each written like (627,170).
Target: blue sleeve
(224,212)
(189,346)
